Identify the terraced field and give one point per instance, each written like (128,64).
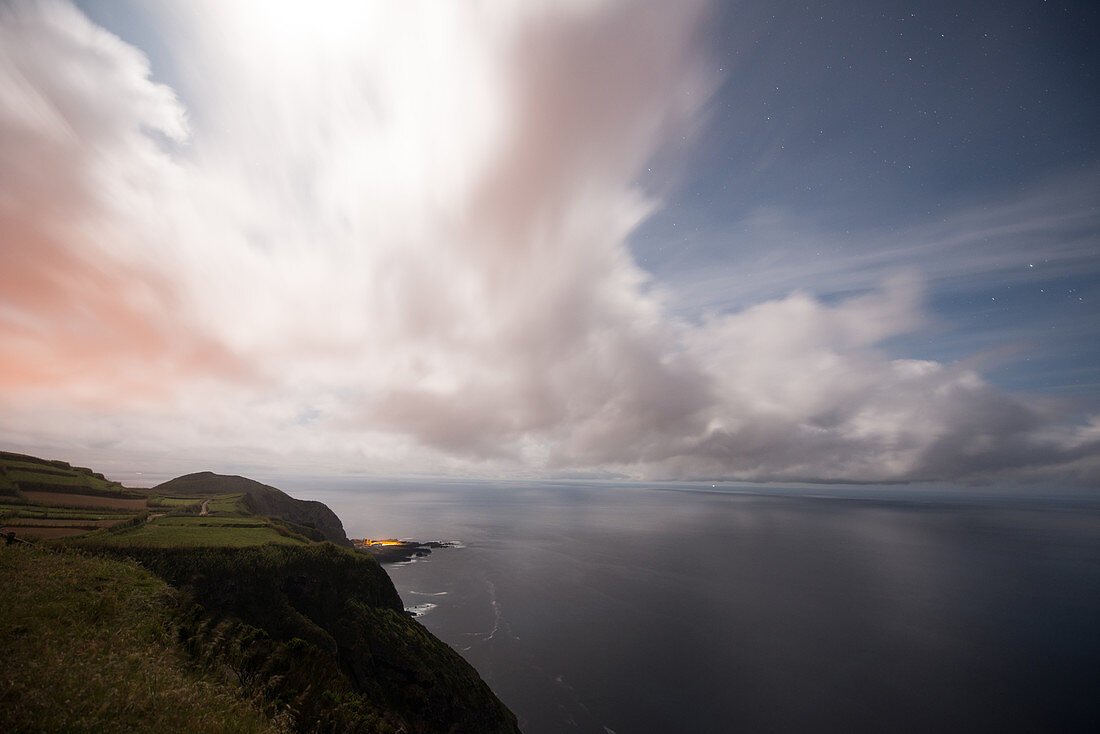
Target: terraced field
(155,534)
(72,499)
(42,499)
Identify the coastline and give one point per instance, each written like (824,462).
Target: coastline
(390,551)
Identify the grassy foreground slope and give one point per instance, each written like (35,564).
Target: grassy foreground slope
(87,645)
(320,631)
(262,604)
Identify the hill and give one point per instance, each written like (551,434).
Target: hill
(19,473)
(305,634)
(262,500)
(42,498)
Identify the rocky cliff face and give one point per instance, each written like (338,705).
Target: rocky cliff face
(319,632)
(262,500)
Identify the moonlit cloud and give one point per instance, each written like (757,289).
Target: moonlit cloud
(806,394)
(1051,225)
(394,239)
(89,307)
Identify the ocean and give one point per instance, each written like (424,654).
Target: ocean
(592,607)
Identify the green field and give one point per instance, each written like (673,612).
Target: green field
(201,521)
(157,534)
(173,502)
(10,509)
(21,472)
(232,504)
(63,480)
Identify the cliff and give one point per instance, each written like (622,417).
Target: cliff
(227,584)
(320,631)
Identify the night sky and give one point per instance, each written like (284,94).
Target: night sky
(747,240)
(849,139)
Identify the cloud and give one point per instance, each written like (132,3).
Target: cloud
(806,394)
(84,179)
(395,239)
(1051,224)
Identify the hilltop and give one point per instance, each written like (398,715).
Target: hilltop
(242,592)
(260,500)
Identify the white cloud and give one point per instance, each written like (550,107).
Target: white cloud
(89,305)
(396,239)
(805,394)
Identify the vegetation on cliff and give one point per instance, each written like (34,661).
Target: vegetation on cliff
(88,644)
(293,632)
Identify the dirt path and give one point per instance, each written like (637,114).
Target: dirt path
(204,511)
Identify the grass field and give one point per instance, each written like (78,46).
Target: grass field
(59,522)
(232,504)
(46,475)
(174,502)
(65,499)
(199,521)
(10,509)
(87,647)
(47,515)
(157,534)
(35,532)
(21,472)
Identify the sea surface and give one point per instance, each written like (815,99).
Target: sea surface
(691,608)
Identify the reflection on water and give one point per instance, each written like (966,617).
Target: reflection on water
(632,609)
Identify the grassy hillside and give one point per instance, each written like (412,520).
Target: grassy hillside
(87,645)
(259,499)
(320,630)
(312,633)
(19,472)
(173,532)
